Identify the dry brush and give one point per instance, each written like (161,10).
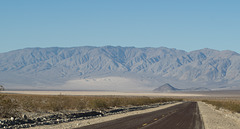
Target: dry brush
(13,104)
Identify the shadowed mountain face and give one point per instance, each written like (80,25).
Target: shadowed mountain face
(55,66)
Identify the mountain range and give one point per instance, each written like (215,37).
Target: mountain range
(92,68)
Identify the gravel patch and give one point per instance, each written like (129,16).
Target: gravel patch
(81,123)
(218,119)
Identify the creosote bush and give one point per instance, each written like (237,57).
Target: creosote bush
(8,107)
(98,104)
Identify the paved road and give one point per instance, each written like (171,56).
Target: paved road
(182,116)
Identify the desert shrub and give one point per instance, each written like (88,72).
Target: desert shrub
(63,102)
(136,101)
(116,102)
(10,103)
(8,107)
(98,104)
(29,104)
(81,104)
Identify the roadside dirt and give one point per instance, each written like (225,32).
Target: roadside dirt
(218,119)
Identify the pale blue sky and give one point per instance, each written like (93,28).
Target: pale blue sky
(182,24)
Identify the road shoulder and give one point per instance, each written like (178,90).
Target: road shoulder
(218,119)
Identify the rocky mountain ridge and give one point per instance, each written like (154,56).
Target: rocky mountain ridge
(54,66)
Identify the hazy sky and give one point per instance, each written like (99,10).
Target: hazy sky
(181,24)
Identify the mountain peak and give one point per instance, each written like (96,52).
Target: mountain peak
(166,88)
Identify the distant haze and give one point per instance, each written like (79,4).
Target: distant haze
(118,68)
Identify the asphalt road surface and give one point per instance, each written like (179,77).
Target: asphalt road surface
(182,116)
